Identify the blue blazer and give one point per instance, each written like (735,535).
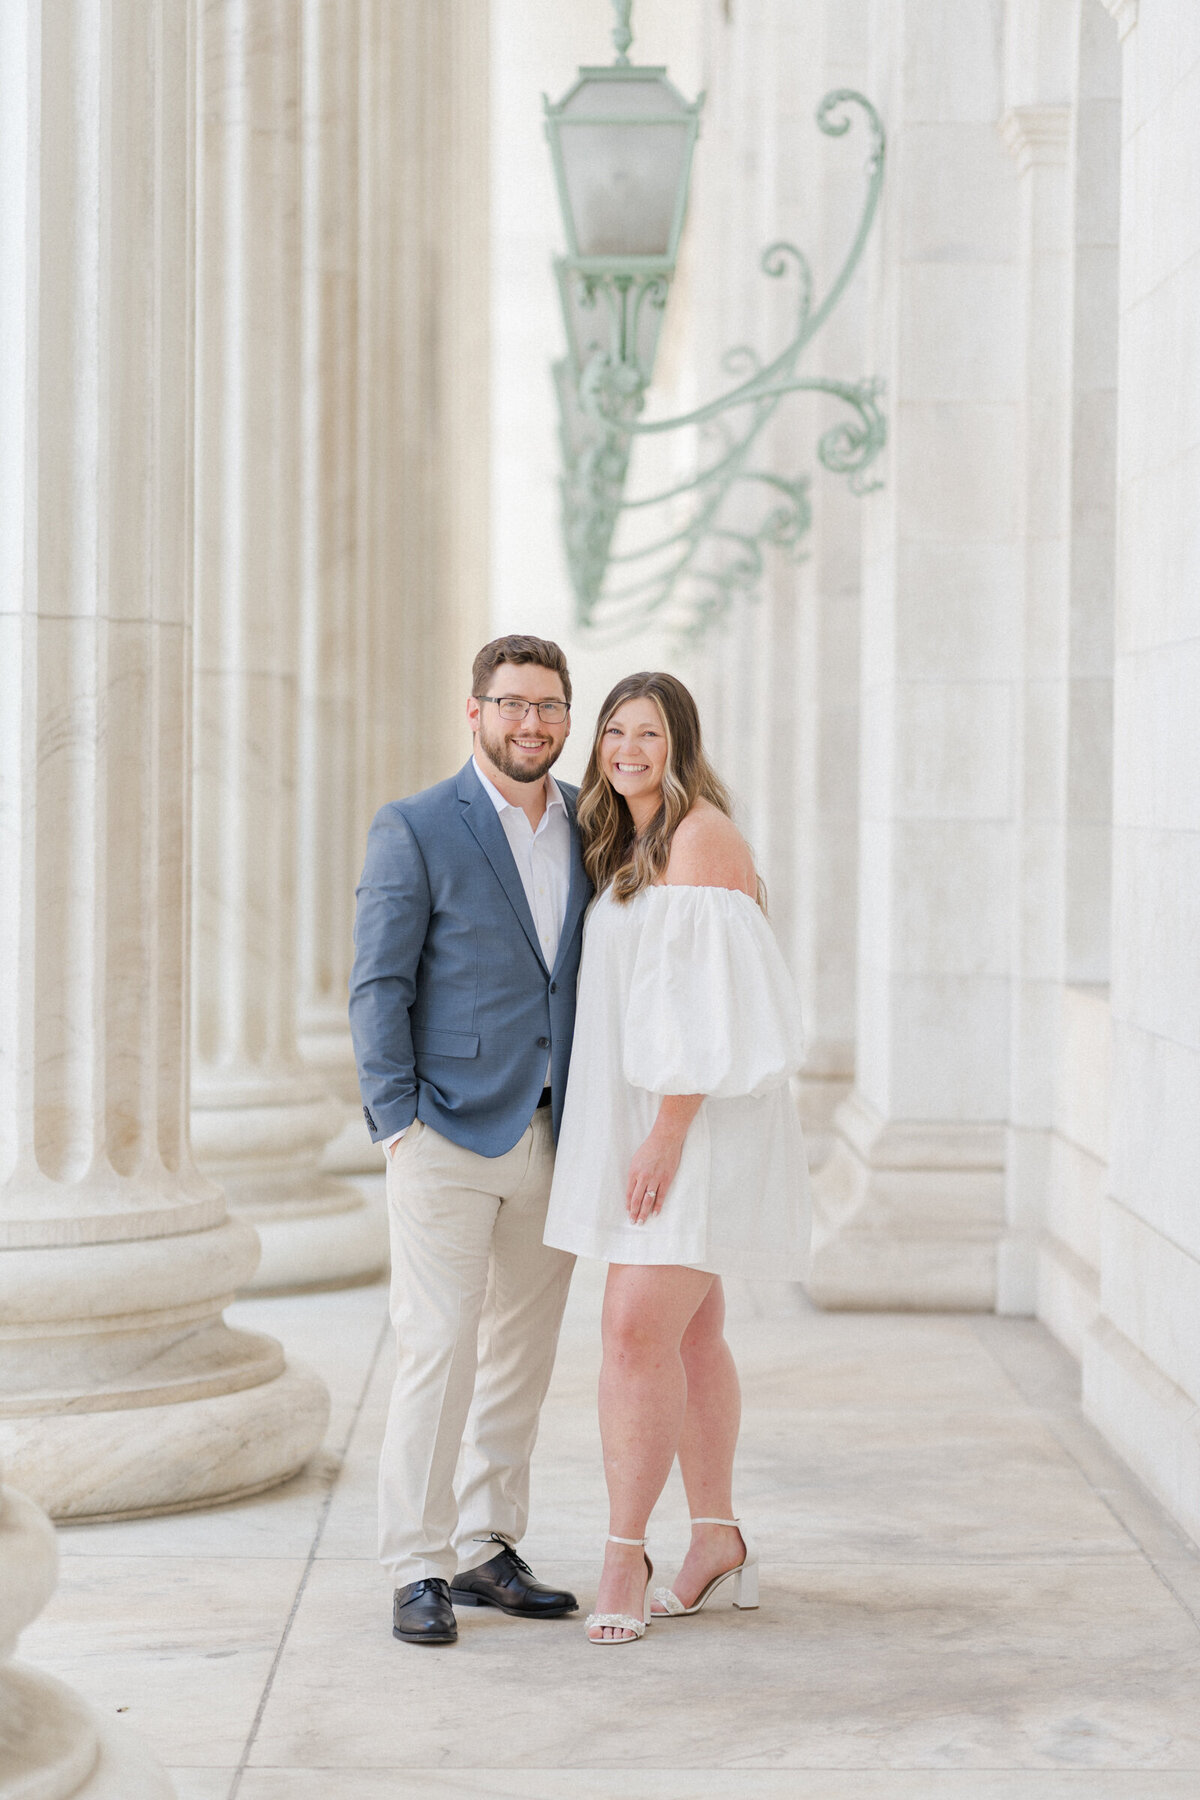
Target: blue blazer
(452,1007)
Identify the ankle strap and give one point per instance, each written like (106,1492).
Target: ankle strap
(617,1540)
(716,1521)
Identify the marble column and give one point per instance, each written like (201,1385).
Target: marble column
(779,686)
(123,1390)
(425,386)
(1037,133)
(260,1117)
(1068,1272)
(331,779)
(821,713)
(52,1745)
(1067,159)
(910,1206)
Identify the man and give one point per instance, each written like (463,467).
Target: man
(462,1004)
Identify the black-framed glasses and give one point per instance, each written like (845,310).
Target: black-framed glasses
(510,707)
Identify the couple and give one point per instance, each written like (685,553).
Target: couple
(678,1151)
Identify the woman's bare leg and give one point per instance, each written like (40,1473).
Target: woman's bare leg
(643,1400)
(707,1442)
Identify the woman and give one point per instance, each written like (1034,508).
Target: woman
(679,1158)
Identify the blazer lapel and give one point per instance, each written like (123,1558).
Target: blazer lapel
(578,893)
(482,821)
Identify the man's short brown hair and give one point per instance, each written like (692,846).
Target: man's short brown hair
(518,649)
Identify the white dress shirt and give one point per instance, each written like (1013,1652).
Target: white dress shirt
(543,859)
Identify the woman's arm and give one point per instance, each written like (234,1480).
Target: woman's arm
(654,1164)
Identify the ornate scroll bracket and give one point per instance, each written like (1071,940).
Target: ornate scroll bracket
(721,520)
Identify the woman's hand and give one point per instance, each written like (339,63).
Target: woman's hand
(656,1161)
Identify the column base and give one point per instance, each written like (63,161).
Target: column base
(315,1251)
(327,1051)
(144,1460)
(907,1216)
(1068,1293)
(817,1099)
(351,1152)
(55,1748)
(1147,1418)
(263,1144)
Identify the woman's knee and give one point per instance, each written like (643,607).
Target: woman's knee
(647,1311)
(633,1335)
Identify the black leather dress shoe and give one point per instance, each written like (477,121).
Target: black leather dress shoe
(507,1582)
(422,1613)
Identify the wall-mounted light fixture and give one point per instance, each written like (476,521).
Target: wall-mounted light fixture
(622,141)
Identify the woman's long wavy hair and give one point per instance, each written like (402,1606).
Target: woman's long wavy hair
(612,850)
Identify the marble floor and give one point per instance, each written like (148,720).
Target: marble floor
(965,1595)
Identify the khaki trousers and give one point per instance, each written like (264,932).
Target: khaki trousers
(476,1300)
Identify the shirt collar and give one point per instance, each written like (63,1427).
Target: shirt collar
(553,792)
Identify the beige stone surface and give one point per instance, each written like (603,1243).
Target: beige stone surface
(965,1594)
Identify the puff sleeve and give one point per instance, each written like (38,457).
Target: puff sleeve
(712,1008)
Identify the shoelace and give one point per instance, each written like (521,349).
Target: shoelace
(519,1560)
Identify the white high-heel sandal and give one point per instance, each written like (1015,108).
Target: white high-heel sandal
(623,1621)
(744,1578)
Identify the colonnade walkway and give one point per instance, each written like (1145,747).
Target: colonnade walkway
(963,1594)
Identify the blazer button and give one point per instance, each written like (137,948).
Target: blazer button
(543,1043)
(554,987)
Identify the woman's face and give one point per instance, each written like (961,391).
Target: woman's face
(633,750)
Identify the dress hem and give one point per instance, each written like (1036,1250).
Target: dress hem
(748,1265)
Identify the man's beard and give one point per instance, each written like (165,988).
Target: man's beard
(500,758)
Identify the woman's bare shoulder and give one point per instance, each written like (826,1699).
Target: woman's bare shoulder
(708,850)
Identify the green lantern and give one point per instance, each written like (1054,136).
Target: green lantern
(622,141)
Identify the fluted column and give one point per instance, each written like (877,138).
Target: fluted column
(1037,135)
(332,781)
(425,385)
(260,1118)
(52,1746)
(121,1389)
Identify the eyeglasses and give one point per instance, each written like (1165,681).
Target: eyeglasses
(551,712)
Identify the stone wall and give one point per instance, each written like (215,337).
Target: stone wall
(1142,1359)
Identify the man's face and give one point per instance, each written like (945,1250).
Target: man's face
(523,749)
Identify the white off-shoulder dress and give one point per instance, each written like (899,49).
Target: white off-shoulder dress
(682,990)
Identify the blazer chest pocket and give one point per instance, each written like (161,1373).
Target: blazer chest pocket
(445,1043)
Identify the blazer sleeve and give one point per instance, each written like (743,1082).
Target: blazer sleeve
(390,924)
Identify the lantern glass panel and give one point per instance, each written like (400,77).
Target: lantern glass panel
(625,147)
(623,181)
